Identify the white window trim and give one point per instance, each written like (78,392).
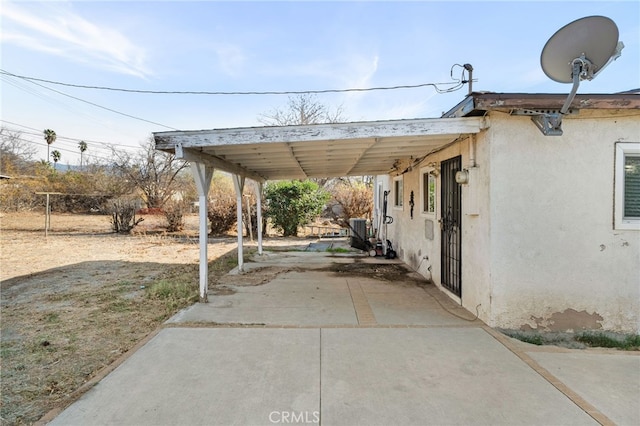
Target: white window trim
(395,196)
(423,171)
(622,149)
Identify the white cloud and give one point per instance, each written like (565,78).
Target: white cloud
(231,58)
(54,28)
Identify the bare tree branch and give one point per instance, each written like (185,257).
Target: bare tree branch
(153,172)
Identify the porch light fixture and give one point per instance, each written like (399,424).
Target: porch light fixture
(462,177)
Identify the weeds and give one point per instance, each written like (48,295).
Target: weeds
(599,339)
(46,357)
(609,340)
(533,339)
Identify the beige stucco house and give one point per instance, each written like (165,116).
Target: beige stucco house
(526,229)
(529,231)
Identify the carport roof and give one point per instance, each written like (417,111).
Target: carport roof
(319,150)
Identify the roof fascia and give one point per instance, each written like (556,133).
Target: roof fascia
(487,101)
(336,131)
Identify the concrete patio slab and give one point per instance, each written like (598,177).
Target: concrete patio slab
(213,376)
(433,376)
(610,381)
(317,345)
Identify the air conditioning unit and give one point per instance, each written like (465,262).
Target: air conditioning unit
(358,233)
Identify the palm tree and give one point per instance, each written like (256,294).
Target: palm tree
(50,137)
(55,154)
(83,147)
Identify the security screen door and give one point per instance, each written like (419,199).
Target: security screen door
(451,213)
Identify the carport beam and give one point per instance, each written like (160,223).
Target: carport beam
(203,174)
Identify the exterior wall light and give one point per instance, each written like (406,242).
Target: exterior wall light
(462,177)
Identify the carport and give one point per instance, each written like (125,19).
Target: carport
(310,151)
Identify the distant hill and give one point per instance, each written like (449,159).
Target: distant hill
(66,167)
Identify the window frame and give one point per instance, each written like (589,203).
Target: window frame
(429,172)
(622,150)
(398,202)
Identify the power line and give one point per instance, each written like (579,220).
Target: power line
(32,81)
(456,86)
(64,149)
(38,132)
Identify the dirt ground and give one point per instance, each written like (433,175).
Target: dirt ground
(75,301)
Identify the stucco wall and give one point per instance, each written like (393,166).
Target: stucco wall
(410,236)
(557,263)
(542,251)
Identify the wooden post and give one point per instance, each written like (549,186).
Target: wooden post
(47,211)
(202,174)
(249,216)
(238,182)
(47,218)
(259,215)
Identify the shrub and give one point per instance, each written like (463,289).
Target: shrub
(222,205)
(123,216)
(355,198)
(291,204)
(174,214)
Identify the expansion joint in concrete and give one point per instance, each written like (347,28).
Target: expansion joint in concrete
(361,305)
(596,414)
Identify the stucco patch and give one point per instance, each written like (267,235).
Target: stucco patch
(567,320)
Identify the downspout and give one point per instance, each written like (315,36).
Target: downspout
(472,150)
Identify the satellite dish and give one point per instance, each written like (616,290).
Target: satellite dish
(594,39)
(578,51)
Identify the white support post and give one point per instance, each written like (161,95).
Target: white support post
(47,217)
(202,174)
(238,182)
(259,215)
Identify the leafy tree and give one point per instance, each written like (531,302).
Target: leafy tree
(49,136)
(153,172)
(56,155)
(291,204)
(82,145)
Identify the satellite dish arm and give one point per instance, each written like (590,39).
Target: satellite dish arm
(550,124)
(579,66)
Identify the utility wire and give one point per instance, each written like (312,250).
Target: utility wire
(456,86)
(88,102)
(37,132)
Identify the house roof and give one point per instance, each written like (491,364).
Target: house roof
(477,104)
(360,148)
(320,150)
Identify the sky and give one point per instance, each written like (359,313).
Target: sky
(267,46)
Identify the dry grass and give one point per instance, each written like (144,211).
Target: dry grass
(77,312)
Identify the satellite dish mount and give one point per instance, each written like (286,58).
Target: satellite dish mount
(578,51)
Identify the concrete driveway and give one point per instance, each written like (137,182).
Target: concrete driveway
(316,338)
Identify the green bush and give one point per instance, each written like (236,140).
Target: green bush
(291,204)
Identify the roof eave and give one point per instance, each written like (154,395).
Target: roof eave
(478,103)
